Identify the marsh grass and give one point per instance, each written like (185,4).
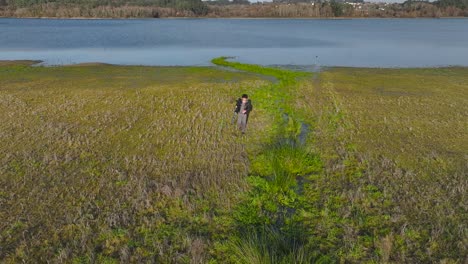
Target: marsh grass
(394,142)
(111,163)
(357,191)
(107,164)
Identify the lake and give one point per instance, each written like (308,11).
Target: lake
(354,42)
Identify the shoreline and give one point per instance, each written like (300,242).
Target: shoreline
(233,18)
(40,63)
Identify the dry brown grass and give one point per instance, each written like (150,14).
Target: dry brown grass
(108,162)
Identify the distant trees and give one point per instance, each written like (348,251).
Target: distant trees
(196,6)
(449,8)
(337,8)
(229,8)
(240,2)
(462,4)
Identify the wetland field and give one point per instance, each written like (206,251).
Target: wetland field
(102,163)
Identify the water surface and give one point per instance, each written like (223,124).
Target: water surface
(357,42)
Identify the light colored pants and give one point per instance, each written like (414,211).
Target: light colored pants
(242,121)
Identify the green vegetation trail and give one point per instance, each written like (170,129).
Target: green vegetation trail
(266,219)
(297,210)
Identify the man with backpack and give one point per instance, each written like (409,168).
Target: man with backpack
(243,109)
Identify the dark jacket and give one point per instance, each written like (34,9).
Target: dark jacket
(248,107)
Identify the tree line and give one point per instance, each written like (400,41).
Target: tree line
(227,8)
(145,8)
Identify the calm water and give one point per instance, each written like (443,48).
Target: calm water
(361,42)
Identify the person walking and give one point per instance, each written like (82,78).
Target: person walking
(243,109)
